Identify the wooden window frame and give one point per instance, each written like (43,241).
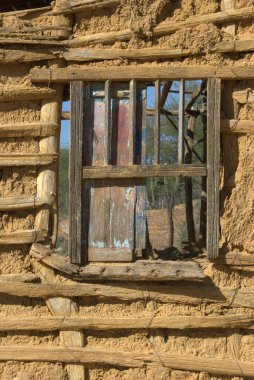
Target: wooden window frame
(210,170)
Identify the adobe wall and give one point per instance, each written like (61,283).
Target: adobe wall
(237,221)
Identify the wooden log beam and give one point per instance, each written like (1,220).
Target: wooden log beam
(142,171)
(126,359)
(83,6)
(25,41)
(183,294)
(65,75)
(215,18)
(28,130)
(30,30)
(26,12)
(26,277)
(27,55)
(21,237)
(67,323)
(28,159)
(86,55)
(22,203)
(237,126)
(144,271)
(29,93)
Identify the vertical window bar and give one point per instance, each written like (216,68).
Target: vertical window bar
(213,167)
(181,122)
(108,123)
(157,122)
(132,120)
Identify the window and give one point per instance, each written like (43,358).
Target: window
(122,150)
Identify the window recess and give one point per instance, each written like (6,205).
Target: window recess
(141,152)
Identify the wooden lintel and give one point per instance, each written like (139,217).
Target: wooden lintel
(65,75)
(232,321)
(29,159)
(126,359)
(142,171)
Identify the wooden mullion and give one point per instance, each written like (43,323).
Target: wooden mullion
(108,123)
(75,175)
(132,120)
(157,122)
(213,167)
(181,122)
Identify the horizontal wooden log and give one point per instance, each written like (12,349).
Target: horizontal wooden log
(35,41)
(234,46)
(165,28)
(23,203)
(29,159)
(26,277)
(30,93)
(126,323)
(55,261)
(33,30)
(126,359)
(84,55)
(87,55)
(144,271)
(215,18)
(181,293)
(21,237)
(28,130)
(64,75)
(237,259)
(26,12)
(27,55)
(237,126)
(82,6)
(142,171)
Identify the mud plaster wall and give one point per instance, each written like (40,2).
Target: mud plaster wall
(237,208)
